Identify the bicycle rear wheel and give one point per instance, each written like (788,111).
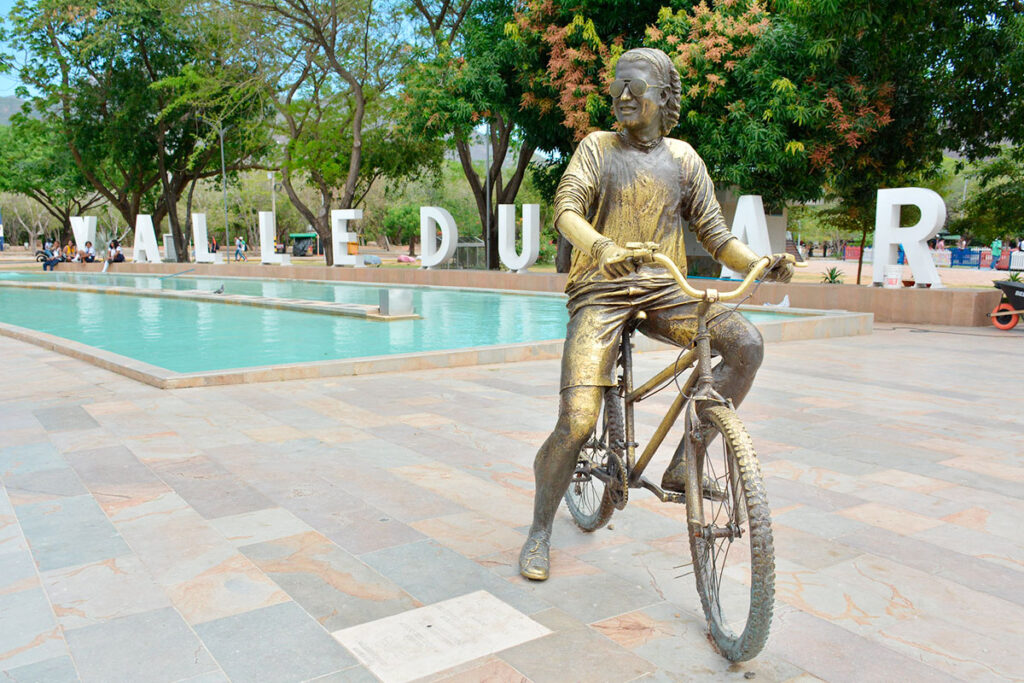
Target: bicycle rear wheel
(733,555)
(590,500)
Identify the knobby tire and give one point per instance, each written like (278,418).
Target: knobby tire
(708,560)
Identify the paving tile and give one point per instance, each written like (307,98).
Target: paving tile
(64,418)
(995,549)
(979,574)
(210,489)
(44,485)
(259,526)
(570,656)
(232,586)
(56,670)
(69,531)
(155,645)
(335,587)
(17,571)
(834,654)
(430,573)
(278,643)
(32,457)
(28,633)
(438,636)
(470,534)
(679,647)
(102,591)
(368,529)
(890,517)
(827,525)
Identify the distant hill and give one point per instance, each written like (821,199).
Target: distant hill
(8,107)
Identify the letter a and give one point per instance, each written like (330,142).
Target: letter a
(145,248)
(750,226)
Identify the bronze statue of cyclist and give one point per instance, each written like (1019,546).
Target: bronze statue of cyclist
(634,185)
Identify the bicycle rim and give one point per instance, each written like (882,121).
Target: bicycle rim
(733,555)
(588,499)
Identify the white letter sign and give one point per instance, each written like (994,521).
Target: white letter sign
(507,236)
(84,228)
(341,238)
(145,247)
(268,232)
(750,226)
(202,240)
(432,255)
(889,235)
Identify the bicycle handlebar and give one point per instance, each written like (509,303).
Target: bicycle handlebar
(712,294)
(646,252)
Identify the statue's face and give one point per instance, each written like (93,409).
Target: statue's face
(639,112)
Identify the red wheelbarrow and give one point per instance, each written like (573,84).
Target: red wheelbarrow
(1011,308)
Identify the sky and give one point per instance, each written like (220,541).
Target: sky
(7,82)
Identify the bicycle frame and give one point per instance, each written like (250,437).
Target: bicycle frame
(700,355)
(701,377)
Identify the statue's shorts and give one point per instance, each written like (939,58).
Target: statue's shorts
(597,316)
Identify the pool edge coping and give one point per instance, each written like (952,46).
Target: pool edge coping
(817,325)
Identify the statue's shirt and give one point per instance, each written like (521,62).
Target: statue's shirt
(631,195)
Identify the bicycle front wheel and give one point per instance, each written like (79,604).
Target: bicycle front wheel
(731,537)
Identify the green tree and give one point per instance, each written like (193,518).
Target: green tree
(402,224)
(329,70)
(35,163)
(100,74)
(796,99)
(996,207)
(464,90)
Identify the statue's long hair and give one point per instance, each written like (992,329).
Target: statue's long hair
(668,76)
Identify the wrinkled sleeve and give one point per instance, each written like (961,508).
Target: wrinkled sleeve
(702,209)
(577,190)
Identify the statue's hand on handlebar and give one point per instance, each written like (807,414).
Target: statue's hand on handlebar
(615,261)
(780,269)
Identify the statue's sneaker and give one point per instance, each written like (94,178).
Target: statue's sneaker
(674,480)
(534,559)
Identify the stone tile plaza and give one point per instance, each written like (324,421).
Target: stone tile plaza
(511,341)
(366,528)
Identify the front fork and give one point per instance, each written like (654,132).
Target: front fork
(626,353)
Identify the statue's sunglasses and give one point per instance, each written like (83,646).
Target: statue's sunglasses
(637,87)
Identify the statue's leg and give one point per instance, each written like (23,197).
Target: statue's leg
(577,414)
(733,337)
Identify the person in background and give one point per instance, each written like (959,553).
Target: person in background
(941,245)
(52,251)
(997,251)
(240,248)
(86,254)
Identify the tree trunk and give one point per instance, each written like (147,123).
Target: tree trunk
(563,258)
(499,139)
(321,220)
(860,258)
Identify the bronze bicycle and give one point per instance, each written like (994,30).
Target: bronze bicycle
(726,504)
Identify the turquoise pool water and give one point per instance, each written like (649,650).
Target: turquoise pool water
(193,336)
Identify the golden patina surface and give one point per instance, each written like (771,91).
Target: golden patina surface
(632,186)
